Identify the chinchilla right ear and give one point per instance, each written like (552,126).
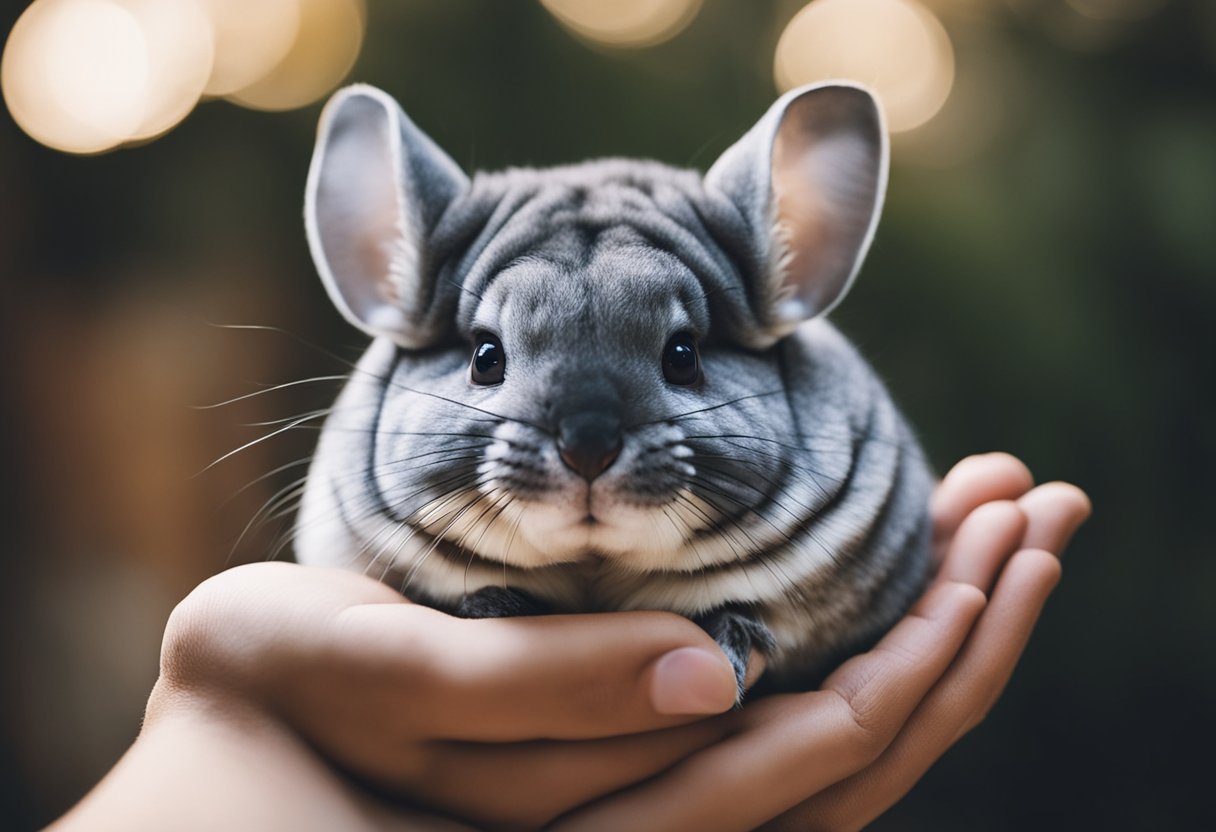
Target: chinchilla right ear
(808,180)
(376,189)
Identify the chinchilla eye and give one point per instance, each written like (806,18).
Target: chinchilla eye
(489,360)
(681,364)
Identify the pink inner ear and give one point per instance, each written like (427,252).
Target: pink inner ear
(798,221)
(374,253)
(826,176)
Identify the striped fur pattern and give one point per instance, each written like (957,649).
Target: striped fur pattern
(784,483)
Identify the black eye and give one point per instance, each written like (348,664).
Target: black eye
(489,361)
(680,362)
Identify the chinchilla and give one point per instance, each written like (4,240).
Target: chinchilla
(611,386)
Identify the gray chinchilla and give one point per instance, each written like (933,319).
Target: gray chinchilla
(611,385)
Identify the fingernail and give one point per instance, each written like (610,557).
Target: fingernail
(690,680)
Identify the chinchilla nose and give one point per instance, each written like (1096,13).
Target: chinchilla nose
(589,442)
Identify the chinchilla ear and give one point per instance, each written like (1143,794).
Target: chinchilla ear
(809,179)
(376,189)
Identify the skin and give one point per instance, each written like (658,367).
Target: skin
(285,690)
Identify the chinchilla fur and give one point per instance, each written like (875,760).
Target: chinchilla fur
(611,386)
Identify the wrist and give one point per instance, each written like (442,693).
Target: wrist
(208,760)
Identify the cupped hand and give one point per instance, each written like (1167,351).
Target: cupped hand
(838,757)
(523,723)
(504,723)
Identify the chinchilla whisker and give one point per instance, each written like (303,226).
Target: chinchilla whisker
(717,406)
(432,512)
(281,546)
(506,501)
(729,531)
(829,551)
(382,545)
(475,408)
(683,530)
(301,527)
(287,504)
(501,503)
(442,486)
(449,450)
(391,467)
(438,537)
(271,389)
(289,507)
(281,496)
(257,441)
(303,417)
(764,495)
(752,546)
(494,494)
(278,330)
(506,556)
(783,462)
(308,417)
(447,490)
(778,458)
(355,368)
(377,432)
(746,436)
(720,526)
(378,550)
(263,514)
(398,466)
(755,545)
(731,525)
(384,570)
(367,510)
(262,478)
(835,448)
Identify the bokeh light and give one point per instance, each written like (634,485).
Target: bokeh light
(75,74)
(986,102)
(251,37)
(897,47)
(624,23)
(326,45)
(85,76)
(180,56)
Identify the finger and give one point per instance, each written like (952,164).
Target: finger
(497,785)
(793,745)
(1034,573)
(985,540)
(1055,510)
(971,483)
(551,677)
(393,817)
(956,703)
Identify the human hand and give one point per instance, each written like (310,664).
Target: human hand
(511,723)
(505,723)
(838,757)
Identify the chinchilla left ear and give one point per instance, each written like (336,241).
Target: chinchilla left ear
(809,179)
(376,190)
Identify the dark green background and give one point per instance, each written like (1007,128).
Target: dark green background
(1050,292)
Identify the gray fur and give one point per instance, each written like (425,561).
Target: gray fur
(786,485)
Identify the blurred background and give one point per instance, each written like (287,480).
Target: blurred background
(1044,282)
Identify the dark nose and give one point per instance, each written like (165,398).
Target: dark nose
(589,442)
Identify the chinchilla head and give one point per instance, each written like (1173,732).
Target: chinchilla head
(589,362)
